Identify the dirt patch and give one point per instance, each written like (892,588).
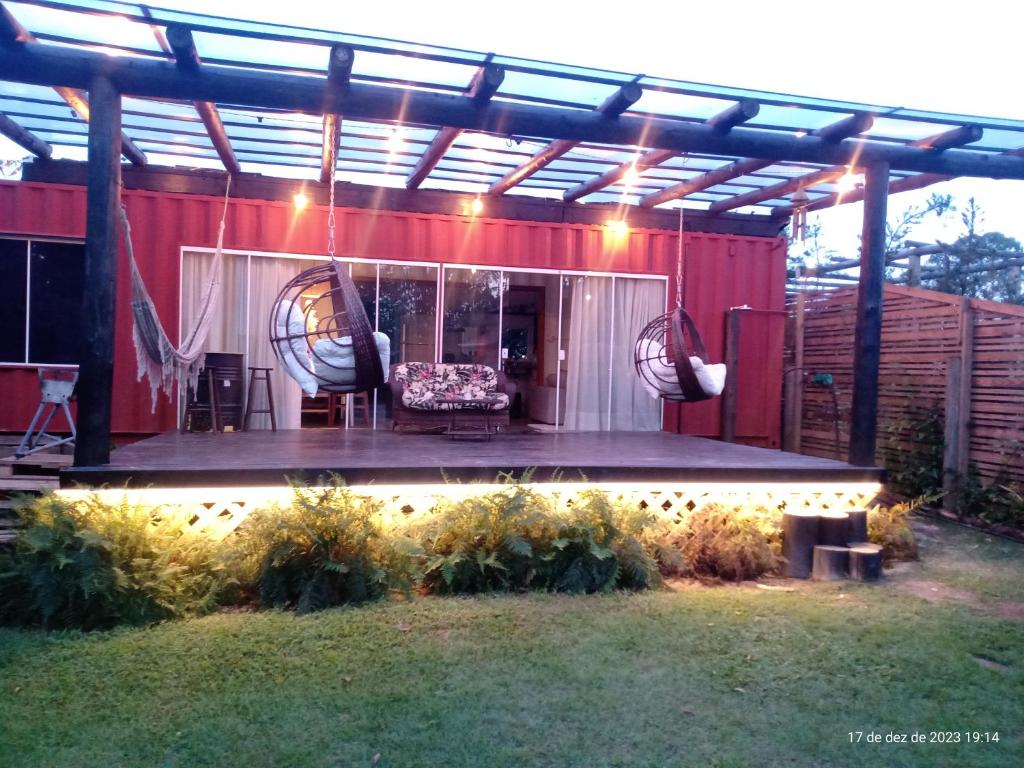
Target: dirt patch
(1008,611)
(988,663)
(937,592)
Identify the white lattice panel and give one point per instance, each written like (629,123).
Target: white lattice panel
(216,512)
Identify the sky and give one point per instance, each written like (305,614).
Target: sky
(937,55)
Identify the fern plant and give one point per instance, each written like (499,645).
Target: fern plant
(487,542)
(327,548)
(93,565)
(718,543)
(889,527)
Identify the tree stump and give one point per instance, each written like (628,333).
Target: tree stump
(833,528)
(858,528)
(866,562)
(830,563)
(799,535)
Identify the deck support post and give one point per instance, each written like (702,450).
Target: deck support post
(732,361)
(96,363)
(868,333)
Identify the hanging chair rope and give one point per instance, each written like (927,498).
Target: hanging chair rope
(156,357)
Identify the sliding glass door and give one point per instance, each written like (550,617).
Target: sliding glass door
(563,339)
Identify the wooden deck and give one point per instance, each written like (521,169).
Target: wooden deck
(362,456)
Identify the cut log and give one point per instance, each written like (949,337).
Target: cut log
(857,531)
(866,562)
(830,563)
(799,535)
(832,528)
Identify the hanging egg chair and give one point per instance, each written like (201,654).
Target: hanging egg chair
(320,333)
(669,354)
(319,330)
(670,358)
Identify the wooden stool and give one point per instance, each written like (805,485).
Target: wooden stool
(257,374)
(336,401)
(196,405)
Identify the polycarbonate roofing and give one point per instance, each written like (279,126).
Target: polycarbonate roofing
(287,144)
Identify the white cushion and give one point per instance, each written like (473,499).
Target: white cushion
(335,363)
(660,378)
(290,321)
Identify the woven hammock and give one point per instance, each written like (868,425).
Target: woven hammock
(156,356)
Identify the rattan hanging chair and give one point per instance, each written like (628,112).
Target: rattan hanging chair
(662,357)
(320,332)
(669,354)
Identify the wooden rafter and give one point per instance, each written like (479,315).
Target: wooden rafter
(179,40)
(832,133)
(940,142)
(339,70)
(14,35)
(485,84)
(24,137)
(724,121)
(612,107)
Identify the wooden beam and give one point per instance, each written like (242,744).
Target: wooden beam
(24,138)
(834,132)
(783,188)
(54,65)
(724,121)
(339,70)
(429,201)
(99,289)
(939,142)
(186,56)
(485,84)
(868,329)
(612,107)
(13,36)
(831,134)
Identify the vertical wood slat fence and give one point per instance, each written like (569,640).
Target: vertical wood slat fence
(962,359)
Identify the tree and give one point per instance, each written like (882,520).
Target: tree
(983,265)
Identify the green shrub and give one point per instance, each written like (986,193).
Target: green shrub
(598,548)
(326,549)
(91,565)
(888,526)
(726,544)
(512,539)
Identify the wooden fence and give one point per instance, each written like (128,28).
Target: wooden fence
(955,361)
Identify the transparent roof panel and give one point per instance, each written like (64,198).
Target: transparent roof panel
(290,144)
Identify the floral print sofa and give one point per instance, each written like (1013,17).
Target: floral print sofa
(417,390)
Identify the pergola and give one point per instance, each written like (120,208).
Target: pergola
(163,86)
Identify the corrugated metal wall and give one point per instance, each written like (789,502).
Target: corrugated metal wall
(724,271)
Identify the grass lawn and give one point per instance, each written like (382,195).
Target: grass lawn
(687,676)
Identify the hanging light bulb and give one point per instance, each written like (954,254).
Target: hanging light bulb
(847,182)
(618,227)
(395,142)
(300,200)
(476,206)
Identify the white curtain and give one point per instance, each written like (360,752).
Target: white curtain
(590,335)
(227,332)
(637,302)
(267,276)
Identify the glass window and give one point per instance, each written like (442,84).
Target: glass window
(55,302)
(472,308)
(408,311)
(13,274)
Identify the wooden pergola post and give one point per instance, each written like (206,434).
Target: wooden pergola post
(868,333)
(96,364)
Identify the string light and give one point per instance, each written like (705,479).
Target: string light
(301,201)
